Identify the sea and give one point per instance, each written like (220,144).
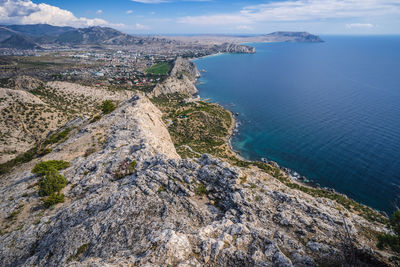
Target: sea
(329,111)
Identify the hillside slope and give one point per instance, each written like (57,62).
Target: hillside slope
(30,109)
(168,210)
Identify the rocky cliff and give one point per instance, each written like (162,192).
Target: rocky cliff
(235,48)
(168,210)
(301,37)
(181,79)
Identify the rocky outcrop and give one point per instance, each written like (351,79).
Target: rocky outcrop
(181,79)
(185,67)
(301,37)
(234,48)
(169,211)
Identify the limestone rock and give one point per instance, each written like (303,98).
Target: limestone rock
(181,79)
(155,216)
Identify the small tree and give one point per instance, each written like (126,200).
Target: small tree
(108,106)
(391,240)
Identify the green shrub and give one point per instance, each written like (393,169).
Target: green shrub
(79,253)
(53,199)
(125,168)
(201,190)
(52,182)
(43,167)
(57,137)
(391,240)
(108,106)
(95,118)
(131,167)
(161,189)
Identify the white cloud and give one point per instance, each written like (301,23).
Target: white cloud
(139,26)
(27,12)
(300,10)
(359,25)
(99,12)
(244,28)
(129,11)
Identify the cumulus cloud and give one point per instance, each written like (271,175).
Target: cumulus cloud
(129,11)
(27,12)
(99,12)
(300,10)
(359,25)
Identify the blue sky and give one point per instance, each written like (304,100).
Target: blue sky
(211,16)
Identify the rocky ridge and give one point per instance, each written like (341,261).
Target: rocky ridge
(181,79)
(235,48)
(169,211)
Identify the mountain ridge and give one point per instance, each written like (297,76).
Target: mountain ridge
(36,35)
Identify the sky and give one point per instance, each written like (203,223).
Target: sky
(211,16)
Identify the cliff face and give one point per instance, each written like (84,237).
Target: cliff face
(181,79)
(235,48)
(169,211)
(301,37)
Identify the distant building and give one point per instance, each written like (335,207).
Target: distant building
(99,74)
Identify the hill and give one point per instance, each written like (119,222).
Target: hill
(303,37)
(38,29)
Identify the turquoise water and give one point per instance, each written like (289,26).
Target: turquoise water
(330,111)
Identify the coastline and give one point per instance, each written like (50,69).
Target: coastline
(293,175)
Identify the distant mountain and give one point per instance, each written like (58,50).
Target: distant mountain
(303,37)
(38,29)
(32,36)
(96,35)
(37,35)
(11,39)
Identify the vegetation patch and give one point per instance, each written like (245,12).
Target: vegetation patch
(44,167)
(202,126)
(162,68)
(201,190)
(53,199)
(13,215)
(108,106)
(57,137)
(161,189)
(95,118)
(51,181)
(392,240)
(124,169)
(79,253)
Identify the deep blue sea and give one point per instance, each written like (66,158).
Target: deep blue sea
(330,111)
